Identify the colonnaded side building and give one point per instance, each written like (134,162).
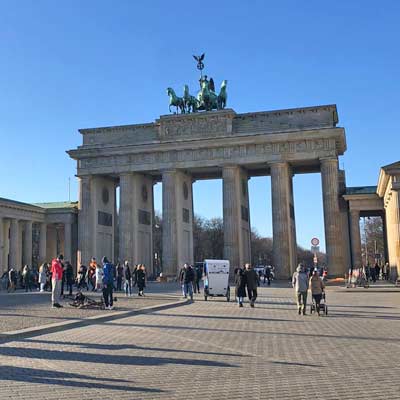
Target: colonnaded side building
(179,149)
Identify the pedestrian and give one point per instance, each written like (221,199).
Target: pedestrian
(69,277)
(26,278)
(317,287)
(108,283)
(186,277)
(120,275)
(300,285)
(252,282)
(12,280)
(82,277)
(141,279)
(63,280)
(99,278)
(267,275)
(91,274)
(386,269)
(42,276)
(372,272)
(56,279)
(377,270)
(240,286)
(127,279)
(197,279)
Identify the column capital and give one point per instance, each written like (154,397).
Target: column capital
(278,163)
(327,160)
(355,212)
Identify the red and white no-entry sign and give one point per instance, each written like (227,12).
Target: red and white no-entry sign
(315,241)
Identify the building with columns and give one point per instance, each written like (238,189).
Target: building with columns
(179,149)
(31,234)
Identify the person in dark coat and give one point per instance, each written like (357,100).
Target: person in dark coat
(197,279)
(267,275)
(141,279)
(252,282)
(240,286)
(186,277)
(69,276)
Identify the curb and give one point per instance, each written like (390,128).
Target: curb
(78,323)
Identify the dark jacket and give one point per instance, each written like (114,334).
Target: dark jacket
(69,274)
(186,275)
(141,278)
(240,283)
(252,279)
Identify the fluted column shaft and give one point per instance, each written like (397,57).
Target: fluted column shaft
(230,214)
(330,194)
(283,225)
(27,254)
(85,223)
(125,217)
(355,238)
(3,267)
(68,241)
(43,243)
(14,244)
(169,232)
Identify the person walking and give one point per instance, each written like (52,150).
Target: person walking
(128,279)
(300,285)
(99,278)
(240,286)
(120,275)
(252,282)
(69,277)
(82,277)
(186,277)
(317,287)
(108,283)
(56,279)
(26,278)
(141,279)
(42,276)
(197,279)
(267,275)
(91,274)
(386,270)
(12,280)
(377,270)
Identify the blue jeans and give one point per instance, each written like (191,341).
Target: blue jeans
(128,288)
(187,288)
(240,300)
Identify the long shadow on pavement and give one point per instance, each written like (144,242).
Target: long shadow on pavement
(46,377)
(100,346)
(124,359)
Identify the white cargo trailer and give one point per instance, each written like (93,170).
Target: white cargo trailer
(216,279)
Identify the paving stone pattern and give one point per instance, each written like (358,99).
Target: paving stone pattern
(22,310)
(214,350)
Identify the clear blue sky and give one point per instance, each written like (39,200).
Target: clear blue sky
(74,64)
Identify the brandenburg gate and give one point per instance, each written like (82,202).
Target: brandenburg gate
(179,149)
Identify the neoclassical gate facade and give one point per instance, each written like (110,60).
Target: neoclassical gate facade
(179,149)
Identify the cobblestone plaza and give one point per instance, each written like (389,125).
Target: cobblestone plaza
(214,350)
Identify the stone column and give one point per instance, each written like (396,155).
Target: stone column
(355,238)
(333,238)
(14,244)
(85,228)
(27,253)
(177,231)
(43,243)
(125,220)
(3,267)
(68,241)
(283,225)
(236,216)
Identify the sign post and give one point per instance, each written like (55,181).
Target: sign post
(314,244)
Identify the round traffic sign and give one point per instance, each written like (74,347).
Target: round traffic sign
(315,241)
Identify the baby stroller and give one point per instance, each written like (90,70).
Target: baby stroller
(323,306)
